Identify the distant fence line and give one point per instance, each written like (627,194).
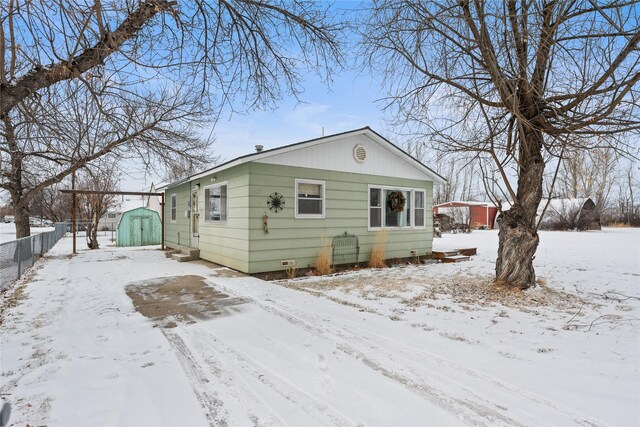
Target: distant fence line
(18,255)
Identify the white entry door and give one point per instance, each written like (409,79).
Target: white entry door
(195,220)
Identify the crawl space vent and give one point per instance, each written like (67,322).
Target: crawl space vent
(359,153)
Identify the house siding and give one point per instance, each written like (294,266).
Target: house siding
(226,242)
(346,209)
(177,233)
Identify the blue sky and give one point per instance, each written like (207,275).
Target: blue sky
(349,102)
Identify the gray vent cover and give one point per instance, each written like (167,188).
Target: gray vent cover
(359,153)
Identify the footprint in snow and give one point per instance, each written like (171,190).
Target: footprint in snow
(322,363)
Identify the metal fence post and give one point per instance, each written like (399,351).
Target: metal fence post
(19,258)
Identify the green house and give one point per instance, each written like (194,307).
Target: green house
(274,208)
(139,227)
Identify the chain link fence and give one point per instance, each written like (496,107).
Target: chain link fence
(18,255)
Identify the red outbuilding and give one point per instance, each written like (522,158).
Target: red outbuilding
(474,214)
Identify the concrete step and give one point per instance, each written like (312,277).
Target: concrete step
(171,252)
(181,257)
(193,253)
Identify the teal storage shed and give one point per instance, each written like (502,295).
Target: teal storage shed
(139,227)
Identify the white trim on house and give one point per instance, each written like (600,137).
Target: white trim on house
(323,199)
(412,208)
(220,221)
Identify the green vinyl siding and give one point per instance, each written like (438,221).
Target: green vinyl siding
(177,233)
(226,242)
(241,243)
(346,209)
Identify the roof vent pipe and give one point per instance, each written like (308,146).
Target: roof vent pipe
(259,148)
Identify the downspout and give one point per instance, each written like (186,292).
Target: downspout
(162,219)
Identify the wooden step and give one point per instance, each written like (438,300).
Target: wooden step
(468,251)
(455,258)
(443,254)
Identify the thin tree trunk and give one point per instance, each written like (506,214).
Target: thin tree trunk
(93,241)
(518,238)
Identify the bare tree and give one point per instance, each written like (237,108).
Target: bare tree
(50,136)
(590,174)
(517,81)
(627,209)
(99,177)
(152,63)
(54,206)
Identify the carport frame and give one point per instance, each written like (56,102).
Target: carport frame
(74,192)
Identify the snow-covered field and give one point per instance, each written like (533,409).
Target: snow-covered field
(410,345)
(8,231)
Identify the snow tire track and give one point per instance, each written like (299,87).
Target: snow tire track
(211,403)
(470,410)
(315,408)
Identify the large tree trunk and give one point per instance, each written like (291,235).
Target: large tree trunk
(23,228)
(518,237)
(15,185)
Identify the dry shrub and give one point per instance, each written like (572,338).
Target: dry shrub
(322,262)
(292,271)
(377,253)
(618,225)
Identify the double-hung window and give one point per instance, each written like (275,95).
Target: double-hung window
(309,199)
(216,203)
(418,208)
(174,207)
(383,215)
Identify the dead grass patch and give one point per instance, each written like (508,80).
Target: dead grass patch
(377,253)
(322,262)
(466,292)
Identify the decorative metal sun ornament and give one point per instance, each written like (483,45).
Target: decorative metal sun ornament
(275,202)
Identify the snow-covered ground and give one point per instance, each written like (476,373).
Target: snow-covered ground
(410,345)
(8,231)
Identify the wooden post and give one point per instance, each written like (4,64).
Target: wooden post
(73,210)
(162,218)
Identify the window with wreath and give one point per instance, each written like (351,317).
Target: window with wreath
(396,207)
(215,201)
(309,199)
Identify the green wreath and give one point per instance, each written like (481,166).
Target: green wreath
(396,201)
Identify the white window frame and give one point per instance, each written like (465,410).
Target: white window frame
(322,198)
(424,208)
(383,208)
(206,211)
(174,207)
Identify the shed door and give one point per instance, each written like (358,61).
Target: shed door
(135,233)
(195,220)
(145,231)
